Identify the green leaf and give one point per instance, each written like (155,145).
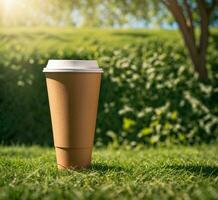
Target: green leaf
(154,123)
(154,139)
(174,115)
(128,123)
(146,131)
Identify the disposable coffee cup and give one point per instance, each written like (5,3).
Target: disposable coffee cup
(73,91)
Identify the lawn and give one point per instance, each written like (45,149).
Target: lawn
(175,172)
(149,95)
(47,39)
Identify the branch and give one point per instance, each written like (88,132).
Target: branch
(204,14)
(203,8)
(190,19)
(178,14)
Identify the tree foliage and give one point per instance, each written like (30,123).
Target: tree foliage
(97,13)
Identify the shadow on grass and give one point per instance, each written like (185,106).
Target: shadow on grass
(203,170)
(131,34)
(103,168)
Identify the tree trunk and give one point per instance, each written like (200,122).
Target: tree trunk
(196,50)
(201,70)
(197,55)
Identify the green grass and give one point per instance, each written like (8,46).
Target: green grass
(155,173)
(47,39)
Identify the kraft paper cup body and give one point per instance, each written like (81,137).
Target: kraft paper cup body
(73,93)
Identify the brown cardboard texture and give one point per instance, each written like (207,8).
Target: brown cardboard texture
(73,101)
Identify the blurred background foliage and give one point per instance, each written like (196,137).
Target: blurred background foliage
(150,93)
(91,13)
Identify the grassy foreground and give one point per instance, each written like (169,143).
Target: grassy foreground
(161,173)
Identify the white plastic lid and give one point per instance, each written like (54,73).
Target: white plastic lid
(72,66)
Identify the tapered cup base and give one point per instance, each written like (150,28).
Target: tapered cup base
(68,158)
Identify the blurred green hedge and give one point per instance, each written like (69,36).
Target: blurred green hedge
(149,93)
